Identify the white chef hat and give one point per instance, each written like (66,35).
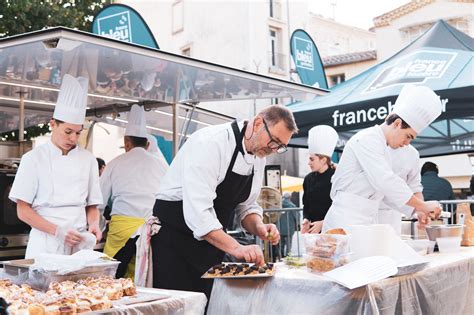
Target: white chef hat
(418,106)
(136,126)
(322,140)
(72,100)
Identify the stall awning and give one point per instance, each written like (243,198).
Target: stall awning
(122,73)
(441,58)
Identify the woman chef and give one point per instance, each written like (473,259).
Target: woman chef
(317,185)
(364,174)
(57,187)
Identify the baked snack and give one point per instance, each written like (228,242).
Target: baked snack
(339,231)
(128,286)
(66,297)
(320,264)
(234,269)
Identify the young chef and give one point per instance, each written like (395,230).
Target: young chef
(219,170)
(57,187)
(322,141)
(364,175)
(132,181)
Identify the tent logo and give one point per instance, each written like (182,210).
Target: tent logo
(303,53)
(417,67)
(116,26)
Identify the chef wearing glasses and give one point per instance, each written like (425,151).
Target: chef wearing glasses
(217,172)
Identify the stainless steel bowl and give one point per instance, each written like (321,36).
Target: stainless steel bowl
(444,230)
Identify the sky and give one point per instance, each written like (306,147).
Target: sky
(358,13)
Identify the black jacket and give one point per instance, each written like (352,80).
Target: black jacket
(316,199)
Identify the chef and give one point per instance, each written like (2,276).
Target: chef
(322,141)
(132,181)
(405,164)
(217,172)
(56,188)
(364,175)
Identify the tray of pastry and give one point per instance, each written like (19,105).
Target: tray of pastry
(239,270)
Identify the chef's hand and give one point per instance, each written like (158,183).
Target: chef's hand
(315,227)
(423,219)
(95,229)
(250,253)
(431,209)
(305,226)
(268,232)
(68,236)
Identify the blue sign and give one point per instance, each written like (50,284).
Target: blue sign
(307,60)
(123,23)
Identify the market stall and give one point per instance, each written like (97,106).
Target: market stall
(170,87)
(445,286)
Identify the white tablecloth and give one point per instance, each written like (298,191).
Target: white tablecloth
(445,286)
(179,303)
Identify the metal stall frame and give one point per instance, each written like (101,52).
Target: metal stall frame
(61,40)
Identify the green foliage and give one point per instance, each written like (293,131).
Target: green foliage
(31,132)
(21,16)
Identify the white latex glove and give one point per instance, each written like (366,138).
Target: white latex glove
(67,235)
(88,242)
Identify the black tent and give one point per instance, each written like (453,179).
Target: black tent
(441,58)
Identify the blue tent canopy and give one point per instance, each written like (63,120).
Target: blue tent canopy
(441,58)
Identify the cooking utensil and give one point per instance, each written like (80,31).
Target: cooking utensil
(444,230)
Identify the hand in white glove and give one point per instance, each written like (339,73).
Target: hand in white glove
(88,242)
(67,235)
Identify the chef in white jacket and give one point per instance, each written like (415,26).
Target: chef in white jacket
(132,181)
(405,164)
(57,187)
(217,173)
(364,175)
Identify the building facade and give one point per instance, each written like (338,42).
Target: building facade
(404,24)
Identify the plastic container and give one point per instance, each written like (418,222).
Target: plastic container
(449,244)
(326,245)
(324,252)
(422,247)
(18,272)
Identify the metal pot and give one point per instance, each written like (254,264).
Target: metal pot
(444,230)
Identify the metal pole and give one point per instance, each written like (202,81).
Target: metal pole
(187,122)
(21,128)
(175,129)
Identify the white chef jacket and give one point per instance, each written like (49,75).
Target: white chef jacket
(58,187)
(365,169)
(132,180)
(364,174)
(34,180)
(199,167)
(405,164)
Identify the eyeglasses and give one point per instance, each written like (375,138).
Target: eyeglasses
(273,144)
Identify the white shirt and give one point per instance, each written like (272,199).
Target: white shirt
(365,169)
(405,164)
(199,167)
(132,181)
(34,179)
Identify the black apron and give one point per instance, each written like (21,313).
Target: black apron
(179,259)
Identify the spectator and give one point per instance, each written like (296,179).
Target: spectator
(435,187)
(101,164)
(287,224)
